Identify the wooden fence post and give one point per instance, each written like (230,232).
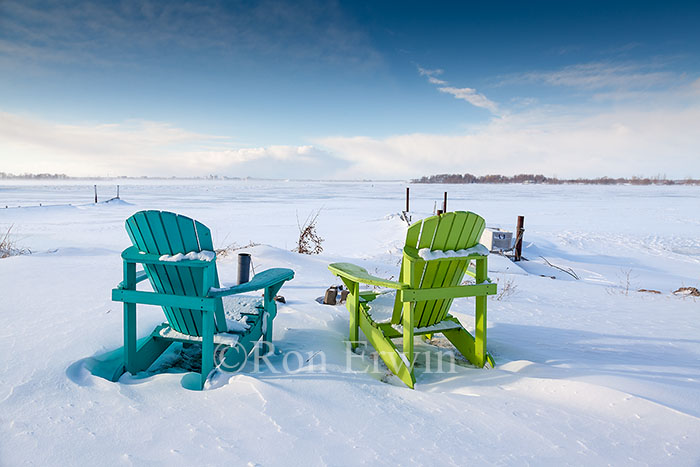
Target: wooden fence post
(407,198)
(519,230)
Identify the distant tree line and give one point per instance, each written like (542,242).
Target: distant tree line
(4,175)
(47,176)
(538,178)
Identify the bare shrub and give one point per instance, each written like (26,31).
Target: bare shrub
(625,285)
(625,281)
(687,292)
(506,288)
(309,242)
(8,247)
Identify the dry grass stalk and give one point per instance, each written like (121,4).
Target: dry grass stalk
(506,288)
(8,246)
(232,247)
(309,242)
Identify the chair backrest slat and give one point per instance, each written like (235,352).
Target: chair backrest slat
(432,274)
(206,243)
(192,323)
(451,231)
(452,227)
(166,233)
(177,245)
(469,235)
(139,231)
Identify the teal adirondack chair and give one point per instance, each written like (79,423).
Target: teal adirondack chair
(436,257)
(188,291)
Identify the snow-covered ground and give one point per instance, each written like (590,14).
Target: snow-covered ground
(588,371)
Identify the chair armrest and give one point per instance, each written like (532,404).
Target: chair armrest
(459,291)
(262,280)
(133,255)
(140,276)
(358,274)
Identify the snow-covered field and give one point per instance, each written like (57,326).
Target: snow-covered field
(588,371)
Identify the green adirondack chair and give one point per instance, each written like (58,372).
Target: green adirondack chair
(188,291)
(436,257)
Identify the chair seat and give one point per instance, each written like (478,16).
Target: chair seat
(381,308)
(239,308)
(224,338)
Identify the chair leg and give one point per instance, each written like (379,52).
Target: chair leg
(389,353)
(464,342)
(266,346)
(130,338)
(207,345)
(270,307)
(353,305)
(480,317)
(408,325)
(480,332)
(129,320)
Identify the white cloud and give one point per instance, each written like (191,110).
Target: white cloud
(643,137)
(616,143)
(466,94)
(599,75)
(431,74)
(626,141)
(470,95)
(223,158)
(427,72)
(136,148)
(433,80)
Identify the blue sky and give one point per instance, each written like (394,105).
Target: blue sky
(384,90)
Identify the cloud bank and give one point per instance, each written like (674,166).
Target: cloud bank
(622,142)
(647,132)
(615,143)
(143,148)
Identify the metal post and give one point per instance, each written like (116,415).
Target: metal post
(95,194)
(519,230)
(444,203)
(243,268)
(407,197)
(117,191)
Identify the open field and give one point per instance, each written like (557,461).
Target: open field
(588,371)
